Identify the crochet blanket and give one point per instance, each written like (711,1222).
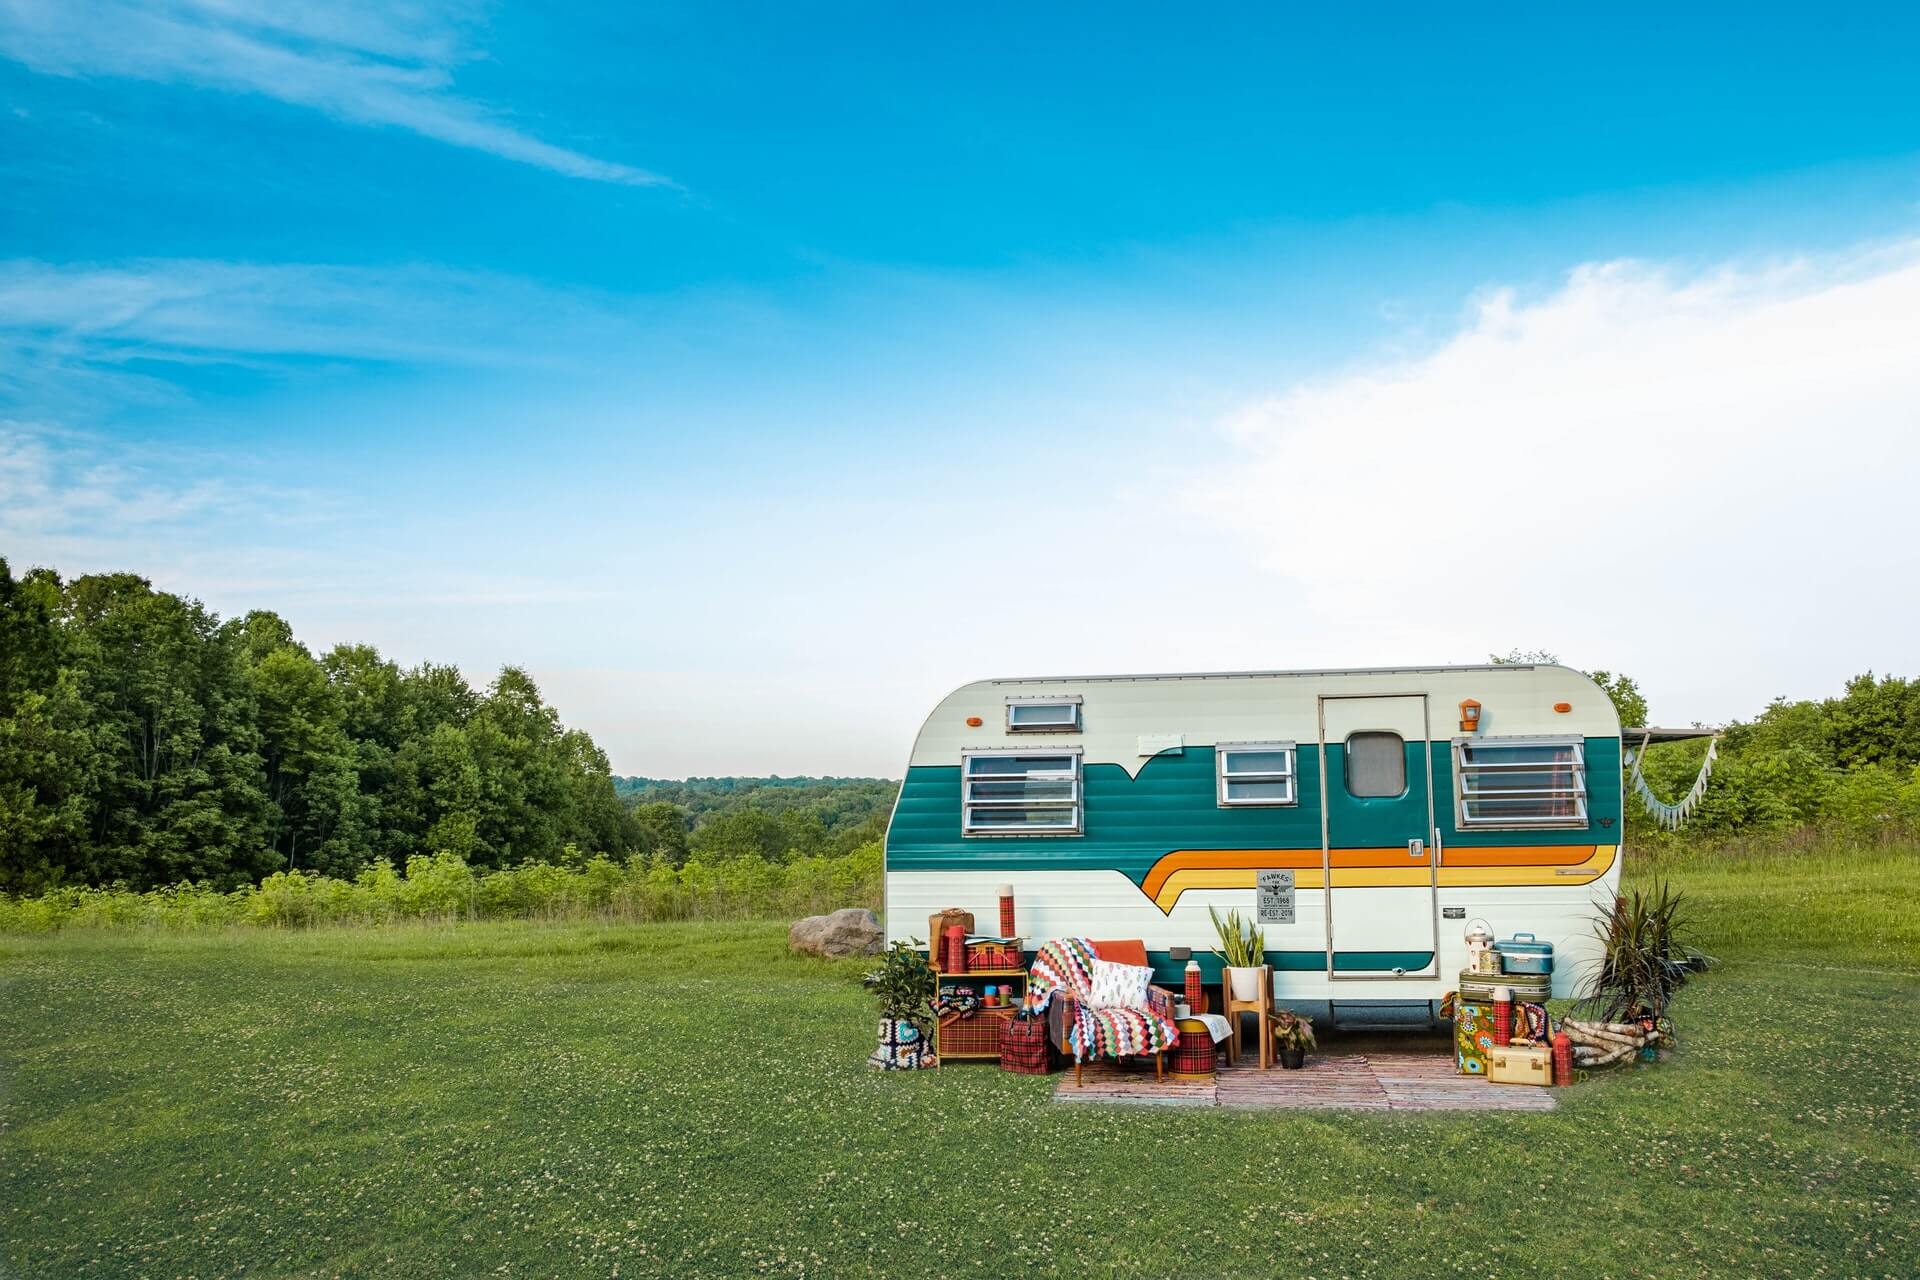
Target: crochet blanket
(1066,965)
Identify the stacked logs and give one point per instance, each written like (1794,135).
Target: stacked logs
(1597,1044)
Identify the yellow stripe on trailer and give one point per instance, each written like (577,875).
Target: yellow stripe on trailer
(1189,870)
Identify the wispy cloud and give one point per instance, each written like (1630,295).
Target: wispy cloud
(361,61)
(173,308)
(87,341)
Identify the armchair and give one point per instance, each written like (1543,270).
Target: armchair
(1062,974)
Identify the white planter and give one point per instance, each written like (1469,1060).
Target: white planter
(1245,982)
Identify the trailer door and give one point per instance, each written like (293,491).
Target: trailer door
(1376,823)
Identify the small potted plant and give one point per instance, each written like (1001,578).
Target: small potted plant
(1292,1037)
(906,986)
(1243,950)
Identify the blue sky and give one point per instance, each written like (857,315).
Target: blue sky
(754,375)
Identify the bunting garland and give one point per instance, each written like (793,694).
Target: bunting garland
(1667,815)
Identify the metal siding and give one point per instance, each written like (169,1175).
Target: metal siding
(1139,809)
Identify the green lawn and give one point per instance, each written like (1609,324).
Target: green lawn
(583,1100)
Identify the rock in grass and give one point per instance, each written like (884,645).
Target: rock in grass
(850,931)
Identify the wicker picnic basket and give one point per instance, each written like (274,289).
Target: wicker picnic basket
(995,955)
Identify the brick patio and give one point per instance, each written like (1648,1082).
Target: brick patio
(1379,1079)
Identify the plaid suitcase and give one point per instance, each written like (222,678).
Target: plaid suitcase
(1024,1047)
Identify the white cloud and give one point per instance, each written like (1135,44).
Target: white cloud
(83,503)
(362,62)
(1706,479)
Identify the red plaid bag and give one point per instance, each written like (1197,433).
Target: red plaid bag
(1024,1047)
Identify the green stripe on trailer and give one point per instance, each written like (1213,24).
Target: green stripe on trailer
(1132,822)
(1171,973)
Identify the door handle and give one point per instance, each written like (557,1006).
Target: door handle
(1416,848)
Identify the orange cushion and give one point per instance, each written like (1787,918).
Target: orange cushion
(1123,951)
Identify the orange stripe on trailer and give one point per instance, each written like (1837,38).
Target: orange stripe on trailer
(1236,868)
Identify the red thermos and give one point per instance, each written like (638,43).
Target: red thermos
(1193,985)
(1006,911)
(956,949)
(1562,1058)
(1502,1015)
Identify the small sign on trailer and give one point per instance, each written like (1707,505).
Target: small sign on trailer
(1273,900)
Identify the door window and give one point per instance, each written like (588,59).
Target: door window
(1376,764)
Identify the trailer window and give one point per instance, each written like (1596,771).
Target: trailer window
(1520,783)
(1376,764)
(1020,793)
(1254,773)
(1043,715)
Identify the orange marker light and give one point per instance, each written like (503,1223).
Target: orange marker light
(974,722)
(1563,707)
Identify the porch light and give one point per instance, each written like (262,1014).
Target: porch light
(1469,716)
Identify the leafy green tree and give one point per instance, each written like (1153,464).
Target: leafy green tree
(309,762)
(662,828)
(1621,689)
(1626,696)
(1877,721)
(173,745)
(44,747)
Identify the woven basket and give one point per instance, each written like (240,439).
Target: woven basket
(994,955)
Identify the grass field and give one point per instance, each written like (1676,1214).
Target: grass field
(590,1100)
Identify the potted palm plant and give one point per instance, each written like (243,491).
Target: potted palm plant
(1292,1037)
(1243,950)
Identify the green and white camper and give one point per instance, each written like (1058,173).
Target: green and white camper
(1365,816)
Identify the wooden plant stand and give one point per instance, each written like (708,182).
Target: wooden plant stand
(1259,1007)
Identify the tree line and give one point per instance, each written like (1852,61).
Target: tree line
(144,740)
(1851,760)
(774,819)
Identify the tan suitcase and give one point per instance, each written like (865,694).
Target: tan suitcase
(1518,1064)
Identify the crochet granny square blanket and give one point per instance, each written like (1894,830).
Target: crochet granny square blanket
(1066,964)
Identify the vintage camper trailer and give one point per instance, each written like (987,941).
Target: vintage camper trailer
(1366,816)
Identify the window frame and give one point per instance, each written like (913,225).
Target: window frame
(1075,805)
(1223,775)
(1580,792)
(1346,766)
(1072,701)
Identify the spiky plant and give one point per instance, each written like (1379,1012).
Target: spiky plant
(1243,944)
(1643,959)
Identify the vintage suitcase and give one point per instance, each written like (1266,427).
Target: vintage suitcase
(1514,1064)
(1524,953)
(1527,988)
(1472,1036)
